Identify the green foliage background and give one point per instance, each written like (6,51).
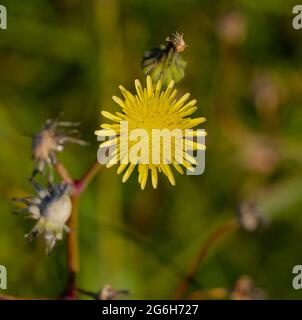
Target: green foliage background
(71,55)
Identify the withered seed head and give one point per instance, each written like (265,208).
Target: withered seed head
(177,41)
(51,207)
(49,141)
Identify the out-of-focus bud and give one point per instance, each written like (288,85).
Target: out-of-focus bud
(269,93)
(232,28)
(265,92)
(50,140)
(245,289)
(260,154)
(51,208)
(250,217)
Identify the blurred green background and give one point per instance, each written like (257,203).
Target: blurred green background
(244,68)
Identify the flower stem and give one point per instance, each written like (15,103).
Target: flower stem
(225,229)
(73,260)
(73,263)
(210,294)
(87,177)
(8,297)
(64,174)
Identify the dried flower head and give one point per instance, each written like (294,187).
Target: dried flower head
(51,207)
(178,42)
(152,109)
(49,141)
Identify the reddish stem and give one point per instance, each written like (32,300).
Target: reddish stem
(80,185)
(72,238)
(210,242)
(61,170)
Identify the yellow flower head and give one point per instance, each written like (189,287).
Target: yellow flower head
(152,110)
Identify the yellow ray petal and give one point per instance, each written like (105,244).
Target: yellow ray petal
(144,178)
(167,171)
(120,102)
(195,122)
(105,133)
(139,89)
(178,168)
(149,86)
(154,176)
(109,143)
(111,116)
(128,172)
(122,167)
(157,89)
(181,101)
(168,90)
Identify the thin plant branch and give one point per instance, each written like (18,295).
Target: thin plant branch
(63,173)
(210,294)
(222,231)
(87,177)
(9,297)
(73,261)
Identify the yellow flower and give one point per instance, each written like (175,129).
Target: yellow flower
(152,109)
